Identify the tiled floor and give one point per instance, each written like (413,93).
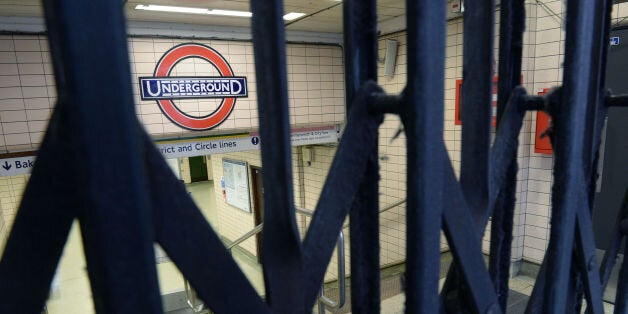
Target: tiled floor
(521,288)
(394,298)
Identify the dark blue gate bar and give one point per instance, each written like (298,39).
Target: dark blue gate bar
(477,87)
(511,28)
(345,176)
(45,215)
(586,264)
(422,116)
(41,226)
(360,47)
(281,244)
(467,251)
(597,110)
(477,90)
(114,215)
(573,132)
(196,249)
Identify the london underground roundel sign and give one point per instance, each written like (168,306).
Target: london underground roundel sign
(165,89)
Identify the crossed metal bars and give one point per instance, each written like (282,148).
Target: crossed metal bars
(125,197)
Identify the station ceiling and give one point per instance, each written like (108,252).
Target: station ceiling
(321,15)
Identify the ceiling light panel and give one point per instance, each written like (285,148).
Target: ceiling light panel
(168,8)
(293,16)
(190,10)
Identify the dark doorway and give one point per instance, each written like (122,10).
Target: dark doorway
(258,206)
(198,169)
(614,173)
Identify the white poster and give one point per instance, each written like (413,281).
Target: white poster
(236,177)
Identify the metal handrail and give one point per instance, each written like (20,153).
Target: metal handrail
(393,205)
(246,236)
(259,228)
(192,299)
(190,294)
(300,210)
(342,285)
(304,211)
(385,209)
(323,300)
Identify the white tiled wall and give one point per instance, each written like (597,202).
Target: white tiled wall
(11,189)
(27,92)
(314,73)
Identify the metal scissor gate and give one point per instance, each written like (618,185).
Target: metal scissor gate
(126,197)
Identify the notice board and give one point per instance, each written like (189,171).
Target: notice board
(236,177)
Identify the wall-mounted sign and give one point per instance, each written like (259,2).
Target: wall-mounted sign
(165,89)
(236,176)
(201,146)
(312,136)
(207,145)
(17,165)
(542,144)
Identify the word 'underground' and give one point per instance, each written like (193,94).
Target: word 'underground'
(181,87)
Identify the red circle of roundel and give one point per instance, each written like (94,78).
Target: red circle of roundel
(165,66)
